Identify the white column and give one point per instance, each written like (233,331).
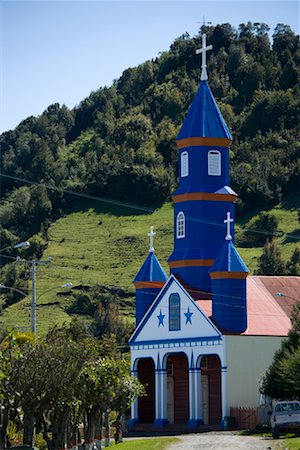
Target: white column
(157,396)
(134,406)
(191,395)
(224,391)
(198,396)
(163,385)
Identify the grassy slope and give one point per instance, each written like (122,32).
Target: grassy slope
(105,244)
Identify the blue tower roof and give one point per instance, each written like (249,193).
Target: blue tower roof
(204,118)
(151,270)
(229,260)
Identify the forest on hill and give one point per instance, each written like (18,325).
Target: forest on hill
(119,142)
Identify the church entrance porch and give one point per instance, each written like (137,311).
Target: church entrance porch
(177,388)
(146,405)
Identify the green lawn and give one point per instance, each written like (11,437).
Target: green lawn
(291,443)
(101,244)
(146,444)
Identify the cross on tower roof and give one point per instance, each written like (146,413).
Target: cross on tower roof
(228,222)
(203,50)
(151,235)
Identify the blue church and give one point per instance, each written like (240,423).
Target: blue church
(198,331)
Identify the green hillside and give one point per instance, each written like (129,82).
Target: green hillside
(120,143)
(101,244)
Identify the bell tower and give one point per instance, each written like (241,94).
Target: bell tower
(203,197)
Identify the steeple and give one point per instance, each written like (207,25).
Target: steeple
(204,119)
(149,280)
(203,196)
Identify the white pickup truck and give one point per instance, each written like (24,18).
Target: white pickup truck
(284,417)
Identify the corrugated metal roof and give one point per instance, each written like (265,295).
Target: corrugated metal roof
(204,118)
(288,286)
(268,314)
(151,270)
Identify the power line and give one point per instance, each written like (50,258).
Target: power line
(82,194)
(144,208)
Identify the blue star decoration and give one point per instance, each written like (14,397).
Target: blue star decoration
(161,317)
(188,316)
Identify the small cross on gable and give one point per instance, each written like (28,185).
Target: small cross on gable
(228,221)
(151,235)
(203,50)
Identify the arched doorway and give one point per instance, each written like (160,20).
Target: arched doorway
(211,389)
(177,388)
(146,405)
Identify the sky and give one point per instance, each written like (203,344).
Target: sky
(60,51)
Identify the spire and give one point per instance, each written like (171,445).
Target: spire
(151,235)
(204,50)
(148,282)
(151,270)
(204,124)
(204,120)
(228,260)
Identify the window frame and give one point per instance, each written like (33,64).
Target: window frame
(184,164)
(180,225)
(210,172)
(174,312)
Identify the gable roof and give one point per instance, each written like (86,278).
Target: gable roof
(160,305)
(267,314)
(204,118)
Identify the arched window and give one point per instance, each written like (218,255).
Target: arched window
(180,225)
(184,164)
(174,312)
(214,163)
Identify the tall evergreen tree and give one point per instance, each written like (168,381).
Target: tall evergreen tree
(293,265)
(270,262)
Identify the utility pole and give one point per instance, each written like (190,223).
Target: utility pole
(34,263)
(33,301)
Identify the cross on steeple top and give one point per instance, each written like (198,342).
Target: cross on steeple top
(151,235)
(203,50)
(228,221)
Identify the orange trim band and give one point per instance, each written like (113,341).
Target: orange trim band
(192,196)
(227,275)
(191,263)
(149,284)
(203,142)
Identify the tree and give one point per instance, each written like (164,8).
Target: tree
(40,383)
(11,344)
(106,384)
(270,262)
(14,276)
(293,265)
(281,381)
(284,39)
(261,227)
(223,36)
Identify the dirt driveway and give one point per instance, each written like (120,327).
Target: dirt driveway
(223,441)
